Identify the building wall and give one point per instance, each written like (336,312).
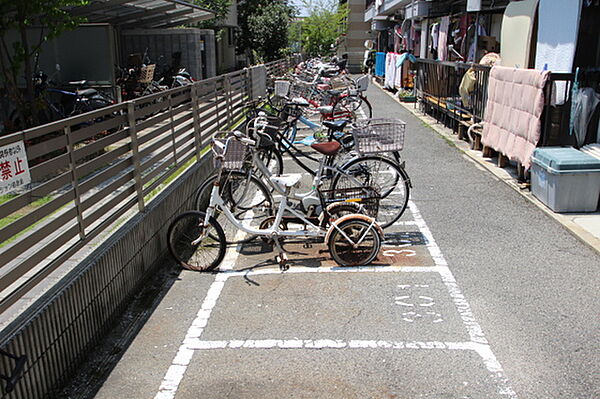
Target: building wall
(358,31)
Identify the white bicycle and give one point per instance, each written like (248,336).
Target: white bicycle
(197,240)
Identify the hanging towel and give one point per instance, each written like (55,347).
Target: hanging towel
(514,107)
(558,27)
(390,70)
(443,39)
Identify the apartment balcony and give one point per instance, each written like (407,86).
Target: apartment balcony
(385,8)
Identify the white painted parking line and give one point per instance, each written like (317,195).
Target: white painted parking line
(175,373)
(336,269)
(478,342)
(170,383)
(329,344)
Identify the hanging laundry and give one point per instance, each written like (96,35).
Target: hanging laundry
(435,31)
(390,70)
(557,34)
(472,56)
(402,68)
(443,39)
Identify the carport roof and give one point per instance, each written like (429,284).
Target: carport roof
(134,14)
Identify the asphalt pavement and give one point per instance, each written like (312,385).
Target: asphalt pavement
(477,293)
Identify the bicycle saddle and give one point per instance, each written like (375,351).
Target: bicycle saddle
(299,101)
(335,92)
(328,148)
(87,92)
(336,126)
(325,109)
(286,180)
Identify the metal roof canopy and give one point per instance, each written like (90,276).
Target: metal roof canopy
(146,14)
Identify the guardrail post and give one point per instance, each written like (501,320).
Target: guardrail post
(135,152)
(74,181)
(196,116)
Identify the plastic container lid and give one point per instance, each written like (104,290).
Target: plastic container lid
(565,159)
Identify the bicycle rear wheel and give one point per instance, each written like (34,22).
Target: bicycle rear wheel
(347,249)
(383,174)
(354,107)
(185,230)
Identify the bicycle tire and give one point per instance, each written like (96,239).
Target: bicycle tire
(394,191)
(260,207)
(354,108)
(186,228)
(345,253)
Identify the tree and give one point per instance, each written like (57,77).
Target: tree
(219,7)
(320,30)
(18,53)
(264,28)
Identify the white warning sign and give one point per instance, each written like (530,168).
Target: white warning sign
(14,169)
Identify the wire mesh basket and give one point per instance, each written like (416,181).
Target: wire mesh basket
(146,73)
(282,88)
(305,91)
(375,136)
(236,153)
(366,199)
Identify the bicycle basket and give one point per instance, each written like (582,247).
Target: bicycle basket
(236,153)
(282,88)
(301,90)
(374,136)
(362,83)
(146,73)
(366,197)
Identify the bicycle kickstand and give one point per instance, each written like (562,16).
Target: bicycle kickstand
(282,258)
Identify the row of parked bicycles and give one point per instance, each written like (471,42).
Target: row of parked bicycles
(356,183)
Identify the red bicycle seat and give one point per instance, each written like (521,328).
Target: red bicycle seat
(328,148)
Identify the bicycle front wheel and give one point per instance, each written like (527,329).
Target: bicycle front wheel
(195,246)
(245,195)
(383,174)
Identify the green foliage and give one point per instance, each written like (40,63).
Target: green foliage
(318,33)
(219,7)
(264,28)
(49,18)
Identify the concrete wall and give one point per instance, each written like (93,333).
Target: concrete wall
(358,31)
(60,328)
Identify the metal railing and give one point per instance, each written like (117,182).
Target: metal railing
(438,85)
(87,171)
(92,170)
(438,91)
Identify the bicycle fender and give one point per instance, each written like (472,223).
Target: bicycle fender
(366,218)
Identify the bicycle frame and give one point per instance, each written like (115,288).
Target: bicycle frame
(217,201)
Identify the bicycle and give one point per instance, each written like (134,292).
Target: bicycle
(250,182)
(197,241)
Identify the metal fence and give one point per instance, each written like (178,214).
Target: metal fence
(438,85)
(88,172)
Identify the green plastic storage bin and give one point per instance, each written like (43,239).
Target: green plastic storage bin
(565,179)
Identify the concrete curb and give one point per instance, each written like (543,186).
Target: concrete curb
(567,222)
